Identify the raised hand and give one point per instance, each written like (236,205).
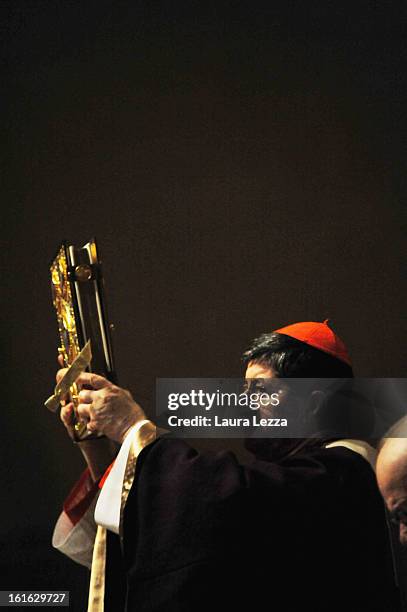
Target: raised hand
(105,407)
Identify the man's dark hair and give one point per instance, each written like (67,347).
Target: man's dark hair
(290,358)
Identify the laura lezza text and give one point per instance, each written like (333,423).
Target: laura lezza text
(217,421)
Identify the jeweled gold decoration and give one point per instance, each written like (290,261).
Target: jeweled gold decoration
(63,302)
(78,297)
(68,334)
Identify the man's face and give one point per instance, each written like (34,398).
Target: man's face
(261,378)
(391,471)
(396,502)
(257,370)
(258,379)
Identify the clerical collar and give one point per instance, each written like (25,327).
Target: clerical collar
(360,447)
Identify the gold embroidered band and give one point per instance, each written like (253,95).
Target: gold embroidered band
(144,436)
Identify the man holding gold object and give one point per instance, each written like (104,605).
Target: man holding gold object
(301,528)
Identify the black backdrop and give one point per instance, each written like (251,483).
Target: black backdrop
(242,165)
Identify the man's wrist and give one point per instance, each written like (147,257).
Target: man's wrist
(98,454)
(134,426)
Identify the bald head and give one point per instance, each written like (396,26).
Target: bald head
(391,470)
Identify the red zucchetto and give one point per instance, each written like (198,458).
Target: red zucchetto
(318,335)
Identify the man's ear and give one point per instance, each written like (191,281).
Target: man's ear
(316,402)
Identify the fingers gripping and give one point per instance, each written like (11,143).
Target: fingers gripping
(87,396)
(60,374)
(93,380)
(66,415)
(91,401)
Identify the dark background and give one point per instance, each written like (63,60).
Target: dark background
(243,166)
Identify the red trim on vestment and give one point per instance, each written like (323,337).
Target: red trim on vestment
(80,497)
(105,475)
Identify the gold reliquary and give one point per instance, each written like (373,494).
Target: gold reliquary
(84,331)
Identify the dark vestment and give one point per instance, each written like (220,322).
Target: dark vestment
(202,532)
